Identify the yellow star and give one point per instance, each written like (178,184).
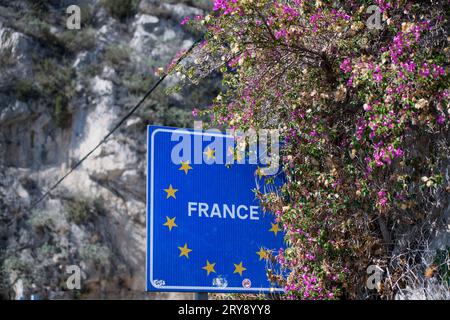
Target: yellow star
(210,153)
(238,268)
(262,254)
(184,251)
(170,192)
(170,223)
(260,173)
(209,267)
(275,228)
(185,167)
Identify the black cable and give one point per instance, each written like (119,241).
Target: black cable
(117,126)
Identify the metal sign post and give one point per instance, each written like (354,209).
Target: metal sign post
(201,296)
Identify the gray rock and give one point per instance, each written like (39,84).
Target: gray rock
(107,193)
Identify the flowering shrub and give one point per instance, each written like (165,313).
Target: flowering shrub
(364,116)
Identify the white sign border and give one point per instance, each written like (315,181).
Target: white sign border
(149,244)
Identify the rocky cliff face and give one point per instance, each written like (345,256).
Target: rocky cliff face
(60,92)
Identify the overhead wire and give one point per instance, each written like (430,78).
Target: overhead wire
(117,125)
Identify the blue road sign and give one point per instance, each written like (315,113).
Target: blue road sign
(206,231)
